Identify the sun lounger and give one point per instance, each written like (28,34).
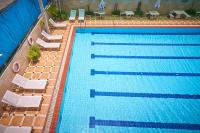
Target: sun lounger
(198,13)
(51,37)
(29,84)
(171,16)
(16,100)
(100,13)
(72,15)
(81,16)
(179,14)
(47,45)
(187,15)
(153,14)
(56,24)
(15,129)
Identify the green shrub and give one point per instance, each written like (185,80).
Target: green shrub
(34,53)
(139,11)
(191,12)
(41,23)
(117,12)
(56,14)
(89,12)
(52,10)
(62,15)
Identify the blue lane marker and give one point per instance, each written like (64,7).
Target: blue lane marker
(93,56)
(93,72)
(142,44)
(155,33)
(183,126)
(94,93)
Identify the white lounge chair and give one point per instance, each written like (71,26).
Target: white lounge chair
(56,24)
(15,129)
(44,44)
(171,16)
(29,84)
(51,37)
(16,100)
(72,15)
(100,13)
(81,16)
(179,14)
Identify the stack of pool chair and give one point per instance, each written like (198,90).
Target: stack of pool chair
(81,16)
(72,16)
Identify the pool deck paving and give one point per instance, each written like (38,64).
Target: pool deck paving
(51,65)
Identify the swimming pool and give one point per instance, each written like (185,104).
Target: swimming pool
(132,80)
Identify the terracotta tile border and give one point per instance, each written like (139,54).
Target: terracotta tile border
(54,86)
(65,71)
(61,87)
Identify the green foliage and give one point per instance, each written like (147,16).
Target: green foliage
(191,12)
(56,14)
(62,15)
(34,53)
(89,12)
(139,11)
(41,23)
(52,10)
(116,11)
(139,6)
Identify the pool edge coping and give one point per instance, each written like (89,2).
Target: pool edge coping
(51,111)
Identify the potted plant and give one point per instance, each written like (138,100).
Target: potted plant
(34,53)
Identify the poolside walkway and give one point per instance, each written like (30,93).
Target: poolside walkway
(49,65)
(46,68)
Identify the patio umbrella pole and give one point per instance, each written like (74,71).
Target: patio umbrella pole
(43,13)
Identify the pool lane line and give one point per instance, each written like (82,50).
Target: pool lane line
(95,72)
(93,56)
(142,44)
(154,33)
(116,123)
(94,94)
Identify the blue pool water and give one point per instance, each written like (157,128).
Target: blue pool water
(133,80)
